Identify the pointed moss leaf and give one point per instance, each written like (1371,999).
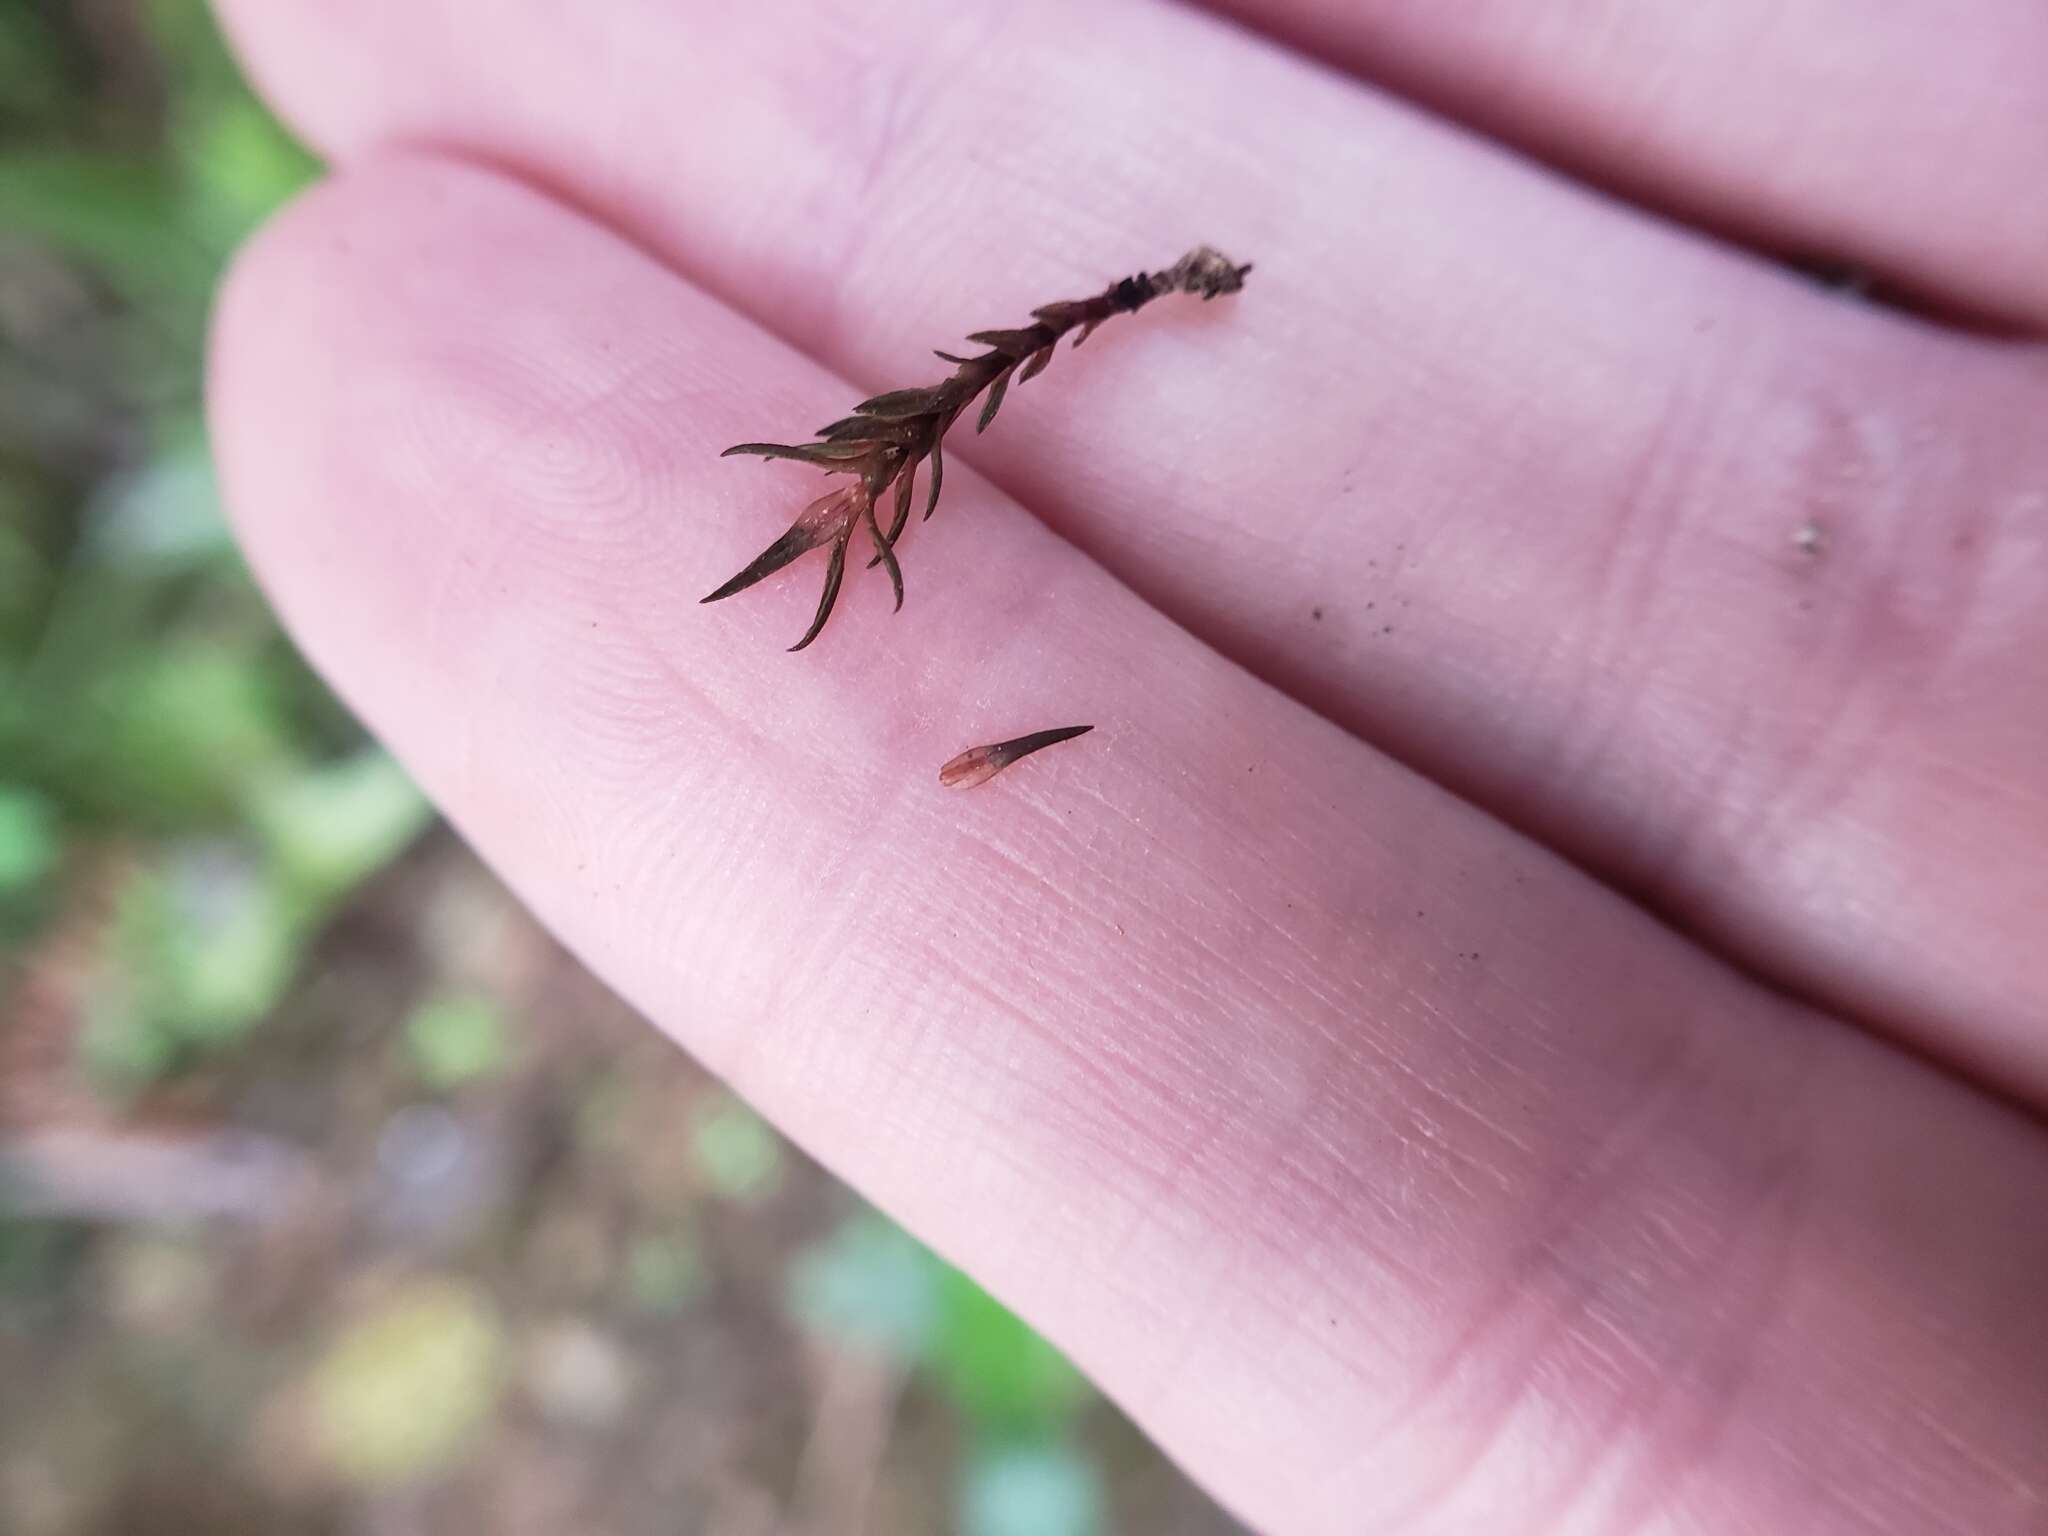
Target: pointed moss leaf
(828,454)
(906,487)
(798,540)
(834,574)
(1013,343)
(899,404)
(931,504)
(995,401)
(884,553)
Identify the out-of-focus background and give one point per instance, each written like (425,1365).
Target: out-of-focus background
(333,1196)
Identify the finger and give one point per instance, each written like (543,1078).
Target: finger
(1896,138)
(1738,596)
(1378,1162)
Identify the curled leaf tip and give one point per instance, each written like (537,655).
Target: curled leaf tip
(834,573)
(995,400)
(884,553)
(1206,271)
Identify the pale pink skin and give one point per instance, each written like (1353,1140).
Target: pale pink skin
(1392,1169)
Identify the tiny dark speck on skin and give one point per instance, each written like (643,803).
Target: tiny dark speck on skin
(1317,613)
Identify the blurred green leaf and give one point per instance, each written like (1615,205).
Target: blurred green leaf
(201,948)
(1039,1490)
(124,218)
(29,844)
(171,734)
(870,1282)
(403,1392)
(188,42)
(148,694)
(243,167)
(456,1039)
(738,1154)
(33,77)
(26,577)
(124,1046)
(1006,1378)
(332,827)
(238,163)
(235,965)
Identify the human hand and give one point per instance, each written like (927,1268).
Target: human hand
(1627,1116)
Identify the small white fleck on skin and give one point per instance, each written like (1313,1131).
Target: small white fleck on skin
(1811,537)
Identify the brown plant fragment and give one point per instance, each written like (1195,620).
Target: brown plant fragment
(889,435)
(977,765)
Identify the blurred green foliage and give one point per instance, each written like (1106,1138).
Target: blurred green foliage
(168,763)
(403,1389)
(157,735)
(737,1154)
(878,1288)
(28,840)
(457,1038)
(1009,1382)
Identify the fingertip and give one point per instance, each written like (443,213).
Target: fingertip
(258,362)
